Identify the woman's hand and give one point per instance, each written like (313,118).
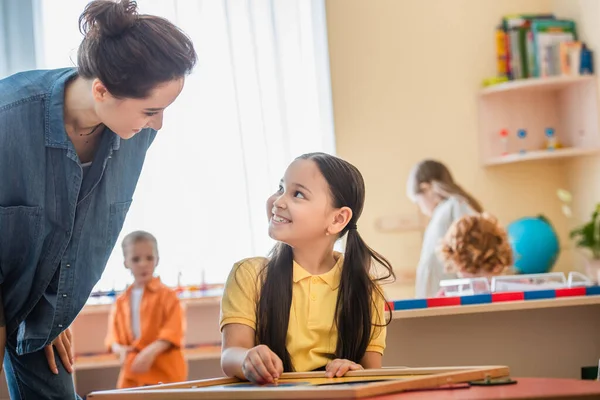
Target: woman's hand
(339,367)
(64,346)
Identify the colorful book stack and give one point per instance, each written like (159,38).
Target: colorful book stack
(540,45)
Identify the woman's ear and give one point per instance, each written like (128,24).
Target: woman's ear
(99,91)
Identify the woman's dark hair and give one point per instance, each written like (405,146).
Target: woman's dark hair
(358,291)
(131,53)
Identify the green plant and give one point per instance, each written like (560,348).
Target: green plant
(587,236)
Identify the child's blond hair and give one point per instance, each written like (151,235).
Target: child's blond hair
(136,237)
(476,244)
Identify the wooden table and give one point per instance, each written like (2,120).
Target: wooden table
(525,388)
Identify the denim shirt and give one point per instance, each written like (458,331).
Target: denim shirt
(57,229)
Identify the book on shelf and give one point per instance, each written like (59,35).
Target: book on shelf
(539,45)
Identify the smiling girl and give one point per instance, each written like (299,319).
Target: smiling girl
(307,307)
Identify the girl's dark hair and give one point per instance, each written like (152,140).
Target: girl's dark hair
(439,177)
(358,291)
(131,53)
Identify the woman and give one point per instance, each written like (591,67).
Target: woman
(72,146)
(439,197)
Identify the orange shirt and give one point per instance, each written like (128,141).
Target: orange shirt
(161,318)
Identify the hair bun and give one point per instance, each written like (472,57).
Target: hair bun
(108,18)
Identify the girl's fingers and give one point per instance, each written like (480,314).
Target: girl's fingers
(278,365)
(342,369)
(260,368)
(355,367)
(331,368)
(250,373)
(267,360)
(339,368)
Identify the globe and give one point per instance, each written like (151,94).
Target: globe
(534,243)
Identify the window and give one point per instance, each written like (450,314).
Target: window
(17,27)
(259,97)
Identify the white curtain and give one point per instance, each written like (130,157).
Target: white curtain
(259,97)
(3,43)
(17,29)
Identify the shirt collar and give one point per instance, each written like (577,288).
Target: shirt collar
(56,135)
(151,286)
(154,284)
(331,277)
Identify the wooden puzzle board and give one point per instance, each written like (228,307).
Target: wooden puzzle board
(311,385)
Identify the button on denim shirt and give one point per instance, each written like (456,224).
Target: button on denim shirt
(57,229)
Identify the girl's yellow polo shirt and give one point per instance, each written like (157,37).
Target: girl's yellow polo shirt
(312,335)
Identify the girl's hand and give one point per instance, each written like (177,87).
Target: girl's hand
(261,365)
(339,367)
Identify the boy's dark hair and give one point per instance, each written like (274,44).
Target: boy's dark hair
(136,237)
(357,293)
(131,53)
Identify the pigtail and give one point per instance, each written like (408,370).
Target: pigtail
(357,297)
(273,306)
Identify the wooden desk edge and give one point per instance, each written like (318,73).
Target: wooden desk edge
(495,307)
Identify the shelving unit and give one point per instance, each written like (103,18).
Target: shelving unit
(109,360)
(96,369)
(540,155)
(568,104)
(542,84)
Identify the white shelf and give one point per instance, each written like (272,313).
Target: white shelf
(566,104)
(550,83)
(91,309)
(108,360)
(541,155)
(96,362)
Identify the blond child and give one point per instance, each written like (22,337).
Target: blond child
(146,326)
